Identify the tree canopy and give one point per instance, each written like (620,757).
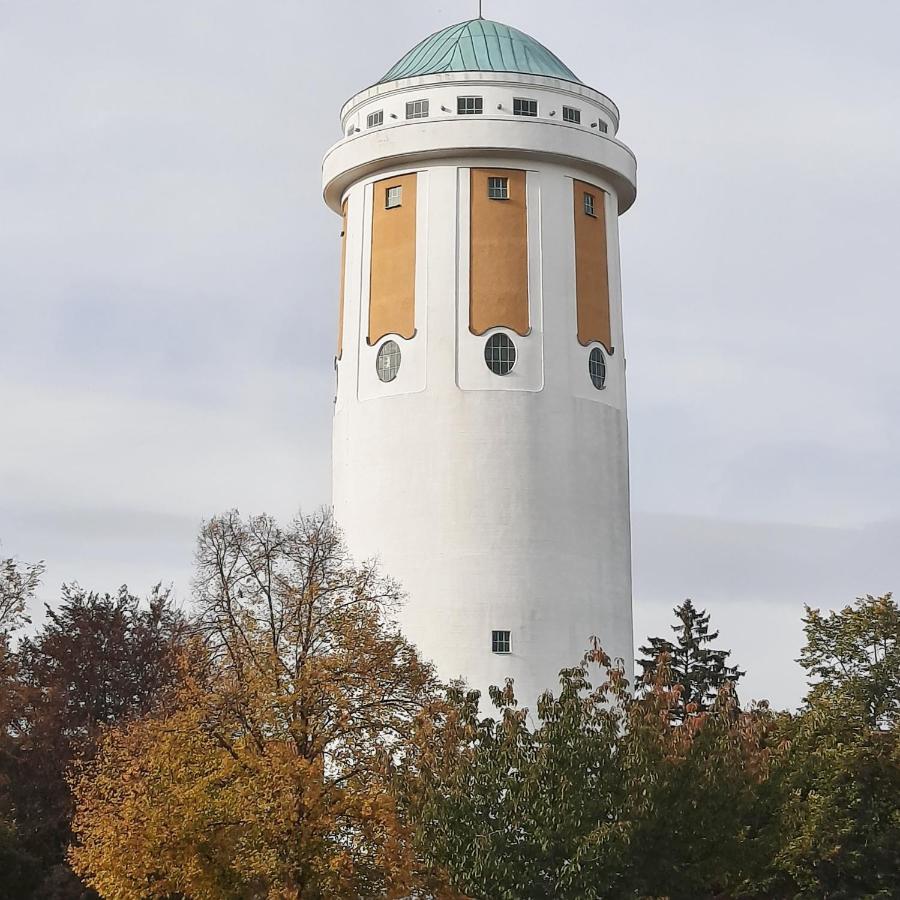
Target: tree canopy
(698,669)
(97,660)
(602,796)
(267,776)
(283,740)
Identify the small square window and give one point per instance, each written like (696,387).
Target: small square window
(589,205)
(500,642)
(498,188)
(393,197)
(417,109)
(522,107)
(603,126)
(570,114)
(374,119)
(470,106)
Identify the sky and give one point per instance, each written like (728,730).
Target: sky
(168,277)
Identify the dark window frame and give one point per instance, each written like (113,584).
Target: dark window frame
(469,105)
(525,106)
(498,187)
(501,641)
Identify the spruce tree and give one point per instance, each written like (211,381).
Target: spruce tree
(698,668)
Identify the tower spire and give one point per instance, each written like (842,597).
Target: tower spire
(480,2)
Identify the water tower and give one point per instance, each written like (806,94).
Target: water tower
(480,444)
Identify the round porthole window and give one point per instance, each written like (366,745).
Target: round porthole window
(500,354)
(597,368)
(387,363)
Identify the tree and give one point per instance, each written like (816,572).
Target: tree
(97,660)
(840,819)
(604,797)
(699,670)
(855,654)
(268,774)
(17,585)
(19,871)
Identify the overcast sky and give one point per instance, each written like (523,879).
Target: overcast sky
(168,278)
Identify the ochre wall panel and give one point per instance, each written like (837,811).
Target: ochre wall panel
(591,268)
(340,334)
(498,267)
(392,291)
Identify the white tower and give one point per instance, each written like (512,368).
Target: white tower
(480,435)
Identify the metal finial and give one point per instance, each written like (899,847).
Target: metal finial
(480,16)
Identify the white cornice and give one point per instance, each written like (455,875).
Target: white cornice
(508,79)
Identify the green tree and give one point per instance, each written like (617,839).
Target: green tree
(96,660)
(840,820)
(700,670)
(603,796)
(855,654)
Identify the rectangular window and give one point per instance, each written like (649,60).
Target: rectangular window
(589,204)
(603,126)
(500,642)
(522,107)
(374,119)
(470,106)
(498,188)
(393,197)
(570,114)
(417,109)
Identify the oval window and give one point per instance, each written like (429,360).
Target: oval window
(387,363)
(500,354)
(597,368)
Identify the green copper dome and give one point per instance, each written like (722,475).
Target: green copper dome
(480,45)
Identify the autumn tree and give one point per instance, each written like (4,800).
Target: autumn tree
(601,796)
(699,669)
(98,659)
(840,819)
(268,775)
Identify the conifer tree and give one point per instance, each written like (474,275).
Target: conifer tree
(691,662)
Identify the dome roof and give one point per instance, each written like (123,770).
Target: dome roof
(480,45)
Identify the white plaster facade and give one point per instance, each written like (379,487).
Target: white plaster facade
(499,503)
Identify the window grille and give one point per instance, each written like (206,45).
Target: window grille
(500,354)
(597,368)
(393,197)
(470,106)
(570,114)
(374,119)
(500,642)
(387,363)
(498,188)
(523,107)
(589,205)
(417,109)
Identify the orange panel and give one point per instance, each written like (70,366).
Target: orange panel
(392,291)
(498,273)
(591,268)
